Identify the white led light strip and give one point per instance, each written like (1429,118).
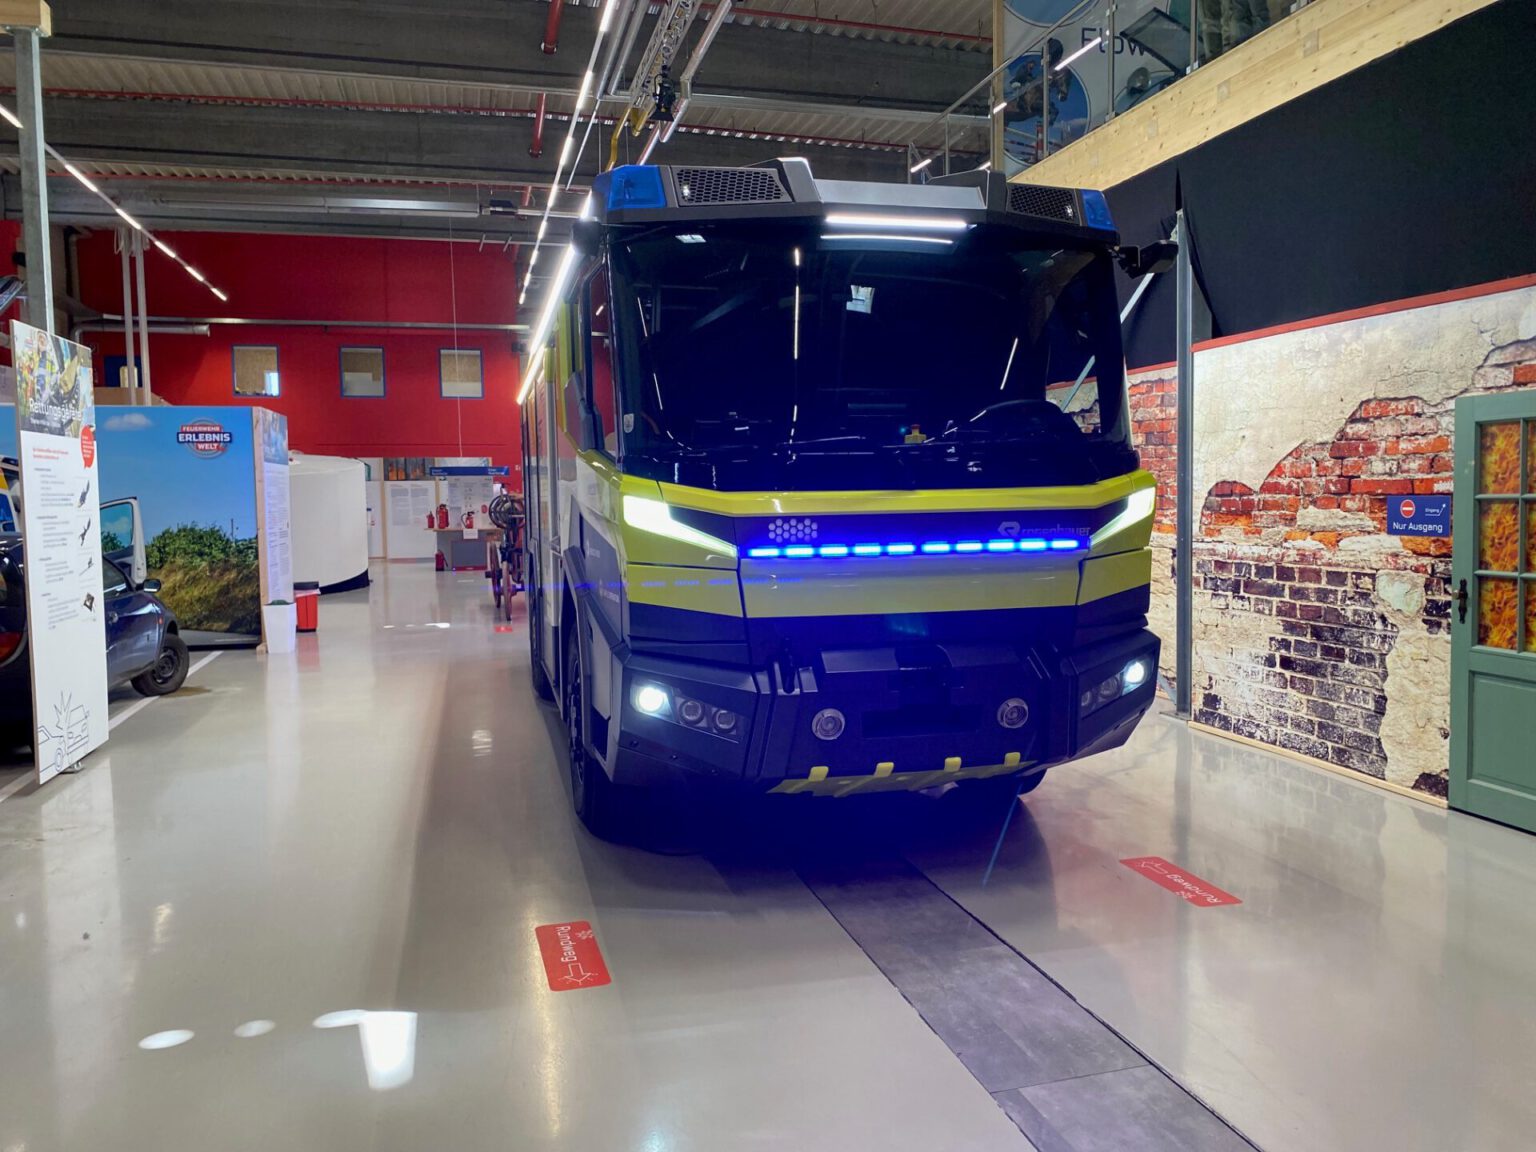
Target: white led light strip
(90,186)
(567,150)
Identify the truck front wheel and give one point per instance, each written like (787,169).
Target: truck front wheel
(592,793)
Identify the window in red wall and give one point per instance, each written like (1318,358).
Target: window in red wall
(254,368)
(458,373)
(362,371)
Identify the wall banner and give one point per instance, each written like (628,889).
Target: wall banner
(60,522)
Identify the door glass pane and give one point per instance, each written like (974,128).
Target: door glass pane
(1498,535)
(1496,609)
(1530,536)
(1530,456)
(1499,457)
(1530,616)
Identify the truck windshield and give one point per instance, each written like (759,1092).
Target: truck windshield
(759,348)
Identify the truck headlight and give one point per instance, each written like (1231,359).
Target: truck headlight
(652,700)
(664,704)
(1095,694)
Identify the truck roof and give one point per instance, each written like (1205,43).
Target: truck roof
(786,188)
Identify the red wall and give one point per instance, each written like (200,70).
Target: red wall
(274,277)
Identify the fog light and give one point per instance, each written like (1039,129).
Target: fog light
(650,699)
(1110,688)
(1135,674)
(828,724)
(1012,713)
(690,712)
(725,722)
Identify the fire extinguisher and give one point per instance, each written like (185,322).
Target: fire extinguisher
(469,518)
(442,516)
(431,523)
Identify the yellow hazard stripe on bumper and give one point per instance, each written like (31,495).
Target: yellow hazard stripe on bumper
(885,778)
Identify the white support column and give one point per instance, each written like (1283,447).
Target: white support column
(130,380)
(146,389)
(34,179)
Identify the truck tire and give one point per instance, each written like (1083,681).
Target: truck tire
(592,793)
(542,688)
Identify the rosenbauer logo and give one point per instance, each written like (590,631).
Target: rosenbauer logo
(205,437)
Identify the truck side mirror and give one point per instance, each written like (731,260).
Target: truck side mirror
(1149,259)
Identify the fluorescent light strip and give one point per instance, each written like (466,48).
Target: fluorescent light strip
(83,178)
(1086,48)
(10,117)
(881,220)
(920,165)
(999,106)
(926,548)
(92,187)
(547,319)
(888,236)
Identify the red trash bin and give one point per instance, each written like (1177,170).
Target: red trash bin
(306,599)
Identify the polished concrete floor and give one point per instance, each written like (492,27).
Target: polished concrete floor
(327,869)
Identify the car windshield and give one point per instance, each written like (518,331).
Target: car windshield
(775,337)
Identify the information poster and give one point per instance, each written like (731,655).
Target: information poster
(60,518)
(271,433)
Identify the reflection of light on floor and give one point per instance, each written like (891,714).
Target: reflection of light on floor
(388,1040)
(163,923)
(157,1040)
(480,741)
(254,1028)
(389,1048)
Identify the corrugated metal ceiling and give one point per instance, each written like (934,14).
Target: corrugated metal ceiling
(128,78)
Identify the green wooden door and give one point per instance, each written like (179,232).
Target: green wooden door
(1493,626)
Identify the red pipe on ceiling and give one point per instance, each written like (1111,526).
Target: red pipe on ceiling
(536,147)
(552,27)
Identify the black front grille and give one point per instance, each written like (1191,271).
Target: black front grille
(1035,200)
(730,186)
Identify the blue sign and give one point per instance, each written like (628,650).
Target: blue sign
(1418,515)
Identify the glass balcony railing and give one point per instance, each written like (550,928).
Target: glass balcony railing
(1075,64)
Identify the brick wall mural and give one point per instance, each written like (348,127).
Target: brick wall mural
(1314,630)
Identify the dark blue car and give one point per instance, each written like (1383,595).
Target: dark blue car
(144,647)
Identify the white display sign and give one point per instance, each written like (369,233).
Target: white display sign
(61,527)
(271,432)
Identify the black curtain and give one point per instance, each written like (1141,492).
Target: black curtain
(1412,175)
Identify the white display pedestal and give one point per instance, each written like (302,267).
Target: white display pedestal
(279,626)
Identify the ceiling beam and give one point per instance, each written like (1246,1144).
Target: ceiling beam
(368,144)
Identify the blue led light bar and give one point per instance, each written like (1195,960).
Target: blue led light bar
(926,548)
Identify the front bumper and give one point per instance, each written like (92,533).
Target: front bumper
(914,718)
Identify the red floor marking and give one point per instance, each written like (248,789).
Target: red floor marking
(572,958)
(1180,882)
(506,627)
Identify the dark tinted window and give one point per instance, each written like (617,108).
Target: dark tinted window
(771,334)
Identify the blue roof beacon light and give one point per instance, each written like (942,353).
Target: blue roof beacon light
(633,186)
(1096,210)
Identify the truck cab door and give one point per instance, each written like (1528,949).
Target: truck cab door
(122,537)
